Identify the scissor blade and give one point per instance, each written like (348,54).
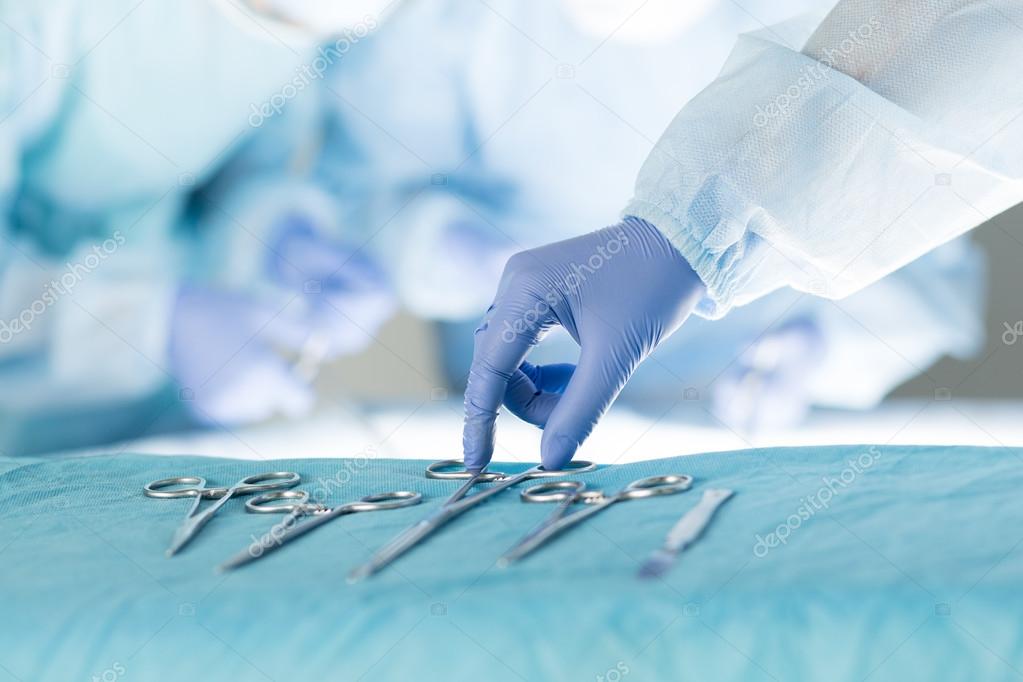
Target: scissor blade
(402,543)
(512,554)
(457,504)
(454,506)
(243,557)
(280,534)
(194,522)
(543,535)
(185,532)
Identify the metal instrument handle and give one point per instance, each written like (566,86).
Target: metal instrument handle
(158,489)
(655,485)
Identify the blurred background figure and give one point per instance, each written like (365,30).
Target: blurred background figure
(204,202)
(167,258)
(501,154)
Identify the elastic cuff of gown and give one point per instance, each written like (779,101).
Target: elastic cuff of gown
(720,283)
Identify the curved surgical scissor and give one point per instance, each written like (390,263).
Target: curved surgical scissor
(297,505)
(194,520)
(570,492)
(454,506)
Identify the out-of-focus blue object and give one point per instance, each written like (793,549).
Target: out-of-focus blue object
(766,386)
(105,136)
(143,146)
(346,295)
(461,186)
(907,573)
(222,343)
(226,346)
(618,292)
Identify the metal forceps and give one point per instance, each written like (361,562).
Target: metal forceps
(297,506)
(194,520)
(565,492)
(557,522)
(454,506)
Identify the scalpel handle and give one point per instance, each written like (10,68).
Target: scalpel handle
(684,533)
(691,525)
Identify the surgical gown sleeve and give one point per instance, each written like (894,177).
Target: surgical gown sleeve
(896,129)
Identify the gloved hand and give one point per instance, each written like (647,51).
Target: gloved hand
(222,354)
(346,295)
(766,387)
(228,347)
(619,292)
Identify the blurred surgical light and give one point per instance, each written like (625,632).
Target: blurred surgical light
(319,19)
(636,21)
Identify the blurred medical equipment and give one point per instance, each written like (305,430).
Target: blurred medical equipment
(114,216)
(557,523)
(194,520)
(296,505)
(455,506)
(248,358)
(224,351)
(685,532)
(617,291)
(766,386)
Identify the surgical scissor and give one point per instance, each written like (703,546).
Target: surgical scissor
(297,506)
(454,506)
(567,495)
(194,520)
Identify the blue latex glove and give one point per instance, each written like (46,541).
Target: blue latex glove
(766,387)
(619,292)
(227,347)
(346,295)
(223,355)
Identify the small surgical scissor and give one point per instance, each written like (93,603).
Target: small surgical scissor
(297,506)
(194,520)
(454,506)
(569,492)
